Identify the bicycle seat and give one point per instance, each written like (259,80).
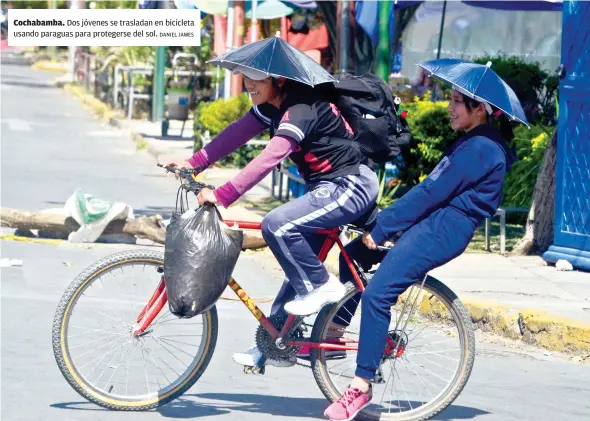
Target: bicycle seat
(367,220)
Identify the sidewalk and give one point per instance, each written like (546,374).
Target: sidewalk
(174,146)
(515,296)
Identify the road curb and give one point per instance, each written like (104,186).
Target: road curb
(50,66)
(106,113)
(532,326)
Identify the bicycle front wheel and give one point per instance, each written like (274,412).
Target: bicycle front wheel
(425,371)
(100,357)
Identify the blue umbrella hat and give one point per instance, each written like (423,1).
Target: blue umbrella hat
(479,82)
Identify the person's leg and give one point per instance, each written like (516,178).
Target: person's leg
(286,231)
(290,234)
(287,292)
(429,244)
(365,258)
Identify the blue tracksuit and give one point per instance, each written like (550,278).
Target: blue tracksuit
(436,220)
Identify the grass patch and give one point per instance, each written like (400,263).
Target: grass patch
(140,143)
(514,233)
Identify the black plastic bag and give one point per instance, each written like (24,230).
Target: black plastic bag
(199,257)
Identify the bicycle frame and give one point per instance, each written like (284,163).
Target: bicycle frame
(159,298)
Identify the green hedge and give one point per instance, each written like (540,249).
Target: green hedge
(215,116)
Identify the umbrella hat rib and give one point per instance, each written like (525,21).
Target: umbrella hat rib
(274,46)
(297,64)
(253,58)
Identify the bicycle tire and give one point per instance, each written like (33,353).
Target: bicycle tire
(59,339)
(461,317)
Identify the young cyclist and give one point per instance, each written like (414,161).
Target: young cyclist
(436,220)
(341,186)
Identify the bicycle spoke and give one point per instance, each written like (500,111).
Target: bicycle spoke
(439,353)
(394,386)
(82,334)
(101,357)
(420,378)
(170,352)
(439,365)
(427,370)
(147,380)
(107,366)
(175,336)
(101,313)
(173,346)
(172,340)
(167,365)
(96,349)
(156,364)
(403,387)
(95,320)
(100,339)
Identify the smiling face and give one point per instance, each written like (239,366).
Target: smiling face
(263,91)
(464,117)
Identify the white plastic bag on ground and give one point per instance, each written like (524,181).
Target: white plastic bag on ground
(93,215)
(564,265)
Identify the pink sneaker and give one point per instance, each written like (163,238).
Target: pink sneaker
(349,405)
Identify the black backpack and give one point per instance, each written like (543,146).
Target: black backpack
(369,106)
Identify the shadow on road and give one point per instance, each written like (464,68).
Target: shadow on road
(196,410)
(28,84)
(252,403)
(188,406)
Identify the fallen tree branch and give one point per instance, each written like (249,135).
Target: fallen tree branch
(146,227)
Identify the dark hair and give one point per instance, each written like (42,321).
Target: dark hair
(501,121)
(290,86)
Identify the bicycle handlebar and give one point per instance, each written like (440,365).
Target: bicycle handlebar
(186,174)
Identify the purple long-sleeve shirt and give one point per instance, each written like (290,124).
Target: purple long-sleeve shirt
(230,139)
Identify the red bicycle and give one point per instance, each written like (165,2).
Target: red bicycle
(118,345)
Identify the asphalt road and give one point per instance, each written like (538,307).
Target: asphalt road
(50,147)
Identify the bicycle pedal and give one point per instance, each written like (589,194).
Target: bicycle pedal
(253,369)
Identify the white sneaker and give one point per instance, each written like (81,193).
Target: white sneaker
(331,292)
(251,358)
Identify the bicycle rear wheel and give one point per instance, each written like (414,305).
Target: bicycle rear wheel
(96,351)
(420,378)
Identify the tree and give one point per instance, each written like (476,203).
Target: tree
(540,221)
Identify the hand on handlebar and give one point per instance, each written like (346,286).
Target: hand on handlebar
(180,165)
(370,243)
(206,196)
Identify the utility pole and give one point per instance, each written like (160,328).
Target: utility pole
(52,50)
(158,80)
(383,62)
(229,45)
(71,76)
(239,6)
(254,23)
(440,38)
(344,34)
